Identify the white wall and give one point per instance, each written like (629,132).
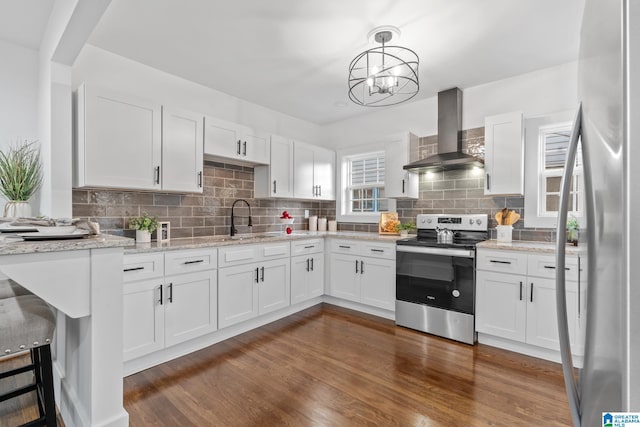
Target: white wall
(19,89)
(100,67)
(536,93)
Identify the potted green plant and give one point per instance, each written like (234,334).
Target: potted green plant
(572,231)
(404,228)
(20,177)
(144,226)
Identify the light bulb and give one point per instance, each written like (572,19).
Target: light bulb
(370,81)
(396,71)
(374,70)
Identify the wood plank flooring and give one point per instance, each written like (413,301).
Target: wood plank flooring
(328,366)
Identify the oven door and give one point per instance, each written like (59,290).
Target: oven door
(444,279)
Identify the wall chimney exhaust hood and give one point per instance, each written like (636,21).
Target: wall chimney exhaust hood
(450,155)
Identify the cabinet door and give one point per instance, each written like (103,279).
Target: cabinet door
(191,302)
(345,277)
(274,286)
(501,305)
(316,276)
(222,138)
(255,146)
(542,324)
(118,141)
(303,184)
(324,170)
(378,286)
(143,316)
(182,151)
(504,161)
(237,294)
(300,275)
(399,183)
(281,167)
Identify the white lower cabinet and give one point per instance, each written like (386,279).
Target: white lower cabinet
(307,270)
(258,285)
(363,272)
(522,307)
(161,311)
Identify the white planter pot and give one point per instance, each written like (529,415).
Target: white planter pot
(17,209)
(404,233)
(143,236)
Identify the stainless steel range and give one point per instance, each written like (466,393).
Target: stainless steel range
(435,275)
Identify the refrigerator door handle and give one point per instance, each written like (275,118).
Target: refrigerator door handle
(561,295)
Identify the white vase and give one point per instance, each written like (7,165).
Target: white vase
(17,209)
(143,236)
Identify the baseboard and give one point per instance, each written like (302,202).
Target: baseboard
(527,349)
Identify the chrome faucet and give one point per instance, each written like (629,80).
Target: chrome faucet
(233,228)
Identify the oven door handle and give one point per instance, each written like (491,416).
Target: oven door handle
(464,253)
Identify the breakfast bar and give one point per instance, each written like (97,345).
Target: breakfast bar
(82,280)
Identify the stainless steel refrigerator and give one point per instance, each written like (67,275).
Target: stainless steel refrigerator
(608,123)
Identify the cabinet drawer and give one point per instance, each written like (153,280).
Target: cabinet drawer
(502,261)
(236,255)
(304,247)
(378,250)
(188,261)
(143,266)
(344,246)
(545,266)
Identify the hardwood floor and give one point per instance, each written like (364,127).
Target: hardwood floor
(328,366)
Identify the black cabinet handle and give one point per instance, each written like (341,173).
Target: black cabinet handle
(553,267)
(403,186)
(244,148)
(257,277)
(161,298)
(500,262)
(274,187)
(170,292)
(361,267)
(520,291)
(488,182)
(320,190)
(344,246)
(311,264)
(133,269)
(239,142)
(377,250)
(356,266)
(200,179)
(157,172)
(531,295)
(262,271)
(310,246)
(307,264)
(194,262)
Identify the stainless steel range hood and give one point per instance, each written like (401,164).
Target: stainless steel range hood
(450,155)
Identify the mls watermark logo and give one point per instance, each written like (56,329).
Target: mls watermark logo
(620,419)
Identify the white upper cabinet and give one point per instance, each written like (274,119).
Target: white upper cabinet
(125,142)
(276,179)
(313,172)
(118,142)
(182,150)
(504,161)
(398,182)
(226,140)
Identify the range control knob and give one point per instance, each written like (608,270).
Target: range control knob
(455,293)
(429,220)
(478,221)
(422,221)
(470,221)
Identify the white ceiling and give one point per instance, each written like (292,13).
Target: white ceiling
(293,55)
(23,21)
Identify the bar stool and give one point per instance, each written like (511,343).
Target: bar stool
(28,323)
(9,288)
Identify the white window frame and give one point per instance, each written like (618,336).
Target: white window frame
(343,198)
(535,215)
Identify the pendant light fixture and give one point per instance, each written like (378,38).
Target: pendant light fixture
(385,75)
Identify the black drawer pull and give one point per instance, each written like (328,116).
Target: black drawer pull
(344,247)
(377,250)
(171,292)
(500,262)
(194,262)
(520,291)
(133,269)
(310,247)
(553,267)
(161,297)
(311,264)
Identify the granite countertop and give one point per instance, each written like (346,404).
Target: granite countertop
(523,245)
(13,246)
(218,241)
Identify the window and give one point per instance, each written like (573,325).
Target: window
(547,143)
(361,181)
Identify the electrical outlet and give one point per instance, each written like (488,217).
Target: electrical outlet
(306,213)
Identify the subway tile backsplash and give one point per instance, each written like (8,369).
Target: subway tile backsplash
(209,214)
